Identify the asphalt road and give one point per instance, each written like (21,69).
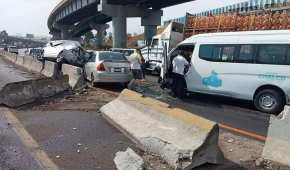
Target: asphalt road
(13,155)
(9,73)
(230,112)
(63,133)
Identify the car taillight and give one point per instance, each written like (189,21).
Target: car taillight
(101,67)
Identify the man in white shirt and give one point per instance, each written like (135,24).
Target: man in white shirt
(136,61)
(179,65)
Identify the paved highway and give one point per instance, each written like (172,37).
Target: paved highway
(9,74)
(226,111)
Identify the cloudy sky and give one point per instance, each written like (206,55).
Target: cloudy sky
(30,16)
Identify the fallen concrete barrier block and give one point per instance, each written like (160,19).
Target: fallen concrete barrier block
(128,160)
(181,138)
(20,93)
(50,69)
(277,146)
(76,76)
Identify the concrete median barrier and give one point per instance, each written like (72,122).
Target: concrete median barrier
(36,66)
(76,76)
(181,138)
(20,93)
(20,60)
(27,61)
(50,69)
(277,146)
(11,57)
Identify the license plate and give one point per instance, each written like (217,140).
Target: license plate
(118,70)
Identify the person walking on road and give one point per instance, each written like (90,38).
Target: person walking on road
(179,65)
(136,62)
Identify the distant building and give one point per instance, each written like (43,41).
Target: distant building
(29,36)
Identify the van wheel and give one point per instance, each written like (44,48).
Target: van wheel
(269,101)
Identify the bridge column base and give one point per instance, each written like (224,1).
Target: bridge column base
(119,31)
(149,32)
(150,22)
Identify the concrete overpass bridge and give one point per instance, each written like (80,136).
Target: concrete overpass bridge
(72,18)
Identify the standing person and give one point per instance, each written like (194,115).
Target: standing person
(143,64)
(179,64)
(136,61)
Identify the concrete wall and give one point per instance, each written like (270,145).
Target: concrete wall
(76,76)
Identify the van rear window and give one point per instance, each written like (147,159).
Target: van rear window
(272,54)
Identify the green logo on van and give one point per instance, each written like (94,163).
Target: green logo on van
(272,76)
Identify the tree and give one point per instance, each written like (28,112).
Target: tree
(3,34)
(88,36)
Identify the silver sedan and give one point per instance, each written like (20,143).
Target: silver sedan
(108,67)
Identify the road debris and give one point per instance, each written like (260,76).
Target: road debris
(231,140)
(128,160)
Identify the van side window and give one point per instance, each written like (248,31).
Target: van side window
(206,52)
(246,54)
(218,53)
(228,53)
(288,57)
(271,54)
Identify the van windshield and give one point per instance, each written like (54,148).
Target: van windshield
(183,50)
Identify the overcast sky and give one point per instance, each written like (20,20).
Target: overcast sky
(30,16)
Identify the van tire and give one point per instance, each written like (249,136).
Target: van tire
(269,101)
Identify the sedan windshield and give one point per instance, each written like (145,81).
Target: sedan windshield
(109,56)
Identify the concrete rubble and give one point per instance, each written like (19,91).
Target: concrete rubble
(129,160)
(277,146)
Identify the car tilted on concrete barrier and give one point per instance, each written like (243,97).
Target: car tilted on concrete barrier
(54,49)
(108,67)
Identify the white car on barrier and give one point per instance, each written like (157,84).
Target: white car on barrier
(108,67)
(53,49)
(251,65)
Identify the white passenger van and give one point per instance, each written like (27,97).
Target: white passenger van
(252,65)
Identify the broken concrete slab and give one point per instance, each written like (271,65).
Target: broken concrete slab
(277,146)
(179,137)
(19,93)
(129,160)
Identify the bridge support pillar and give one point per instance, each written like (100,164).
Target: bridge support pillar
(65,35)
(119,31)
(56,35)
(149,32)
(150,23)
